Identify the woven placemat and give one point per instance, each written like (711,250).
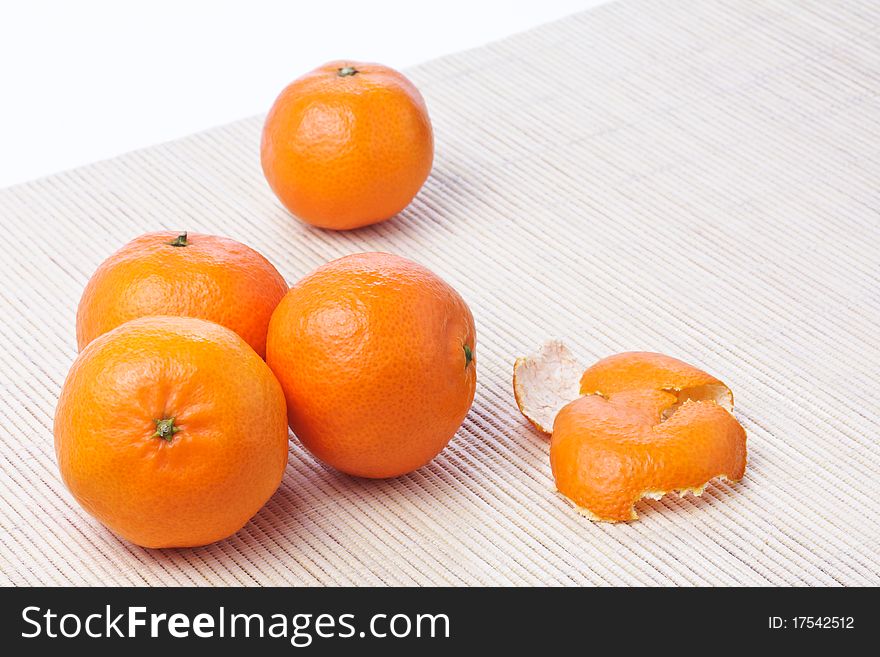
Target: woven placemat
(699,179)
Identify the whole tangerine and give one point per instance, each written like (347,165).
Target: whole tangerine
(376,356)
(171,431)
(347,145)
(188,274)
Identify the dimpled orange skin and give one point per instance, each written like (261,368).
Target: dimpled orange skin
(219,468)
(344,151)
(211,277)
(610,446)
(372,353)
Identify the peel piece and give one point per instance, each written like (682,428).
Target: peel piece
(545,382)
(639,425)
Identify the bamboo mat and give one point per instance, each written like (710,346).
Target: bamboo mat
(696,178)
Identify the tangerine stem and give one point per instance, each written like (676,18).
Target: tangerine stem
(468,356)
(165,429)
(180,240)
(345,71)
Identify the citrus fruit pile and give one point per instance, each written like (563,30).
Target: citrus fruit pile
(195,357)
(173,431)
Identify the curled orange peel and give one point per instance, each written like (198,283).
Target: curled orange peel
(544,382)
(635,425)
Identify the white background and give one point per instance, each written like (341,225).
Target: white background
(87,80)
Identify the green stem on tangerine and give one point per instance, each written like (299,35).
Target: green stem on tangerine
(345,71)
(468,356)
(165,429)
(180,240)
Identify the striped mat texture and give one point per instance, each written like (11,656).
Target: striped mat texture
(695,178)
